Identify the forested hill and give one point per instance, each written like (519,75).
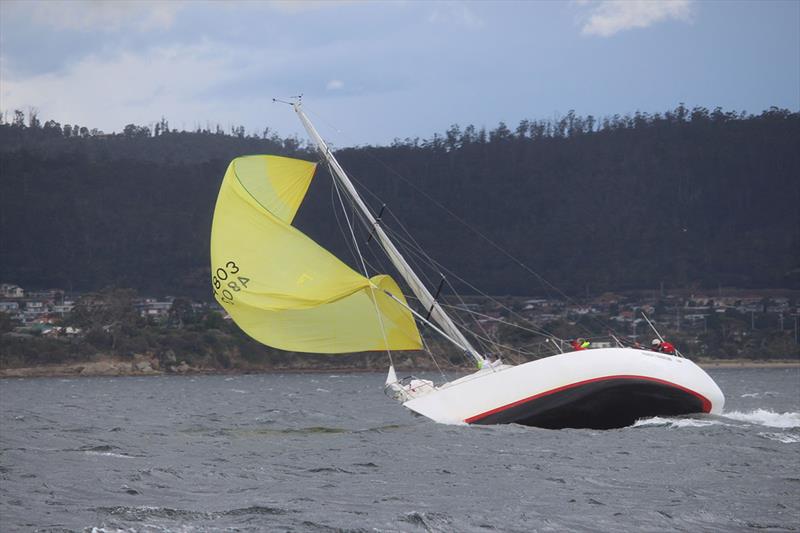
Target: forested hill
(684,198)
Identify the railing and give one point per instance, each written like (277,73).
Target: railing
(550,346)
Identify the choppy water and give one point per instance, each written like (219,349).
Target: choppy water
(330,452)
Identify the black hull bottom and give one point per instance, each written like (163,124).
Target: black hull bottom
(603,404)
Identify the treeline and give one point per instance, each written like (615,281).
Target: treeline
(690,197)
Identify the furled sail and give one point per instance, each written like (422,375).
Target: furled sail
(281,287)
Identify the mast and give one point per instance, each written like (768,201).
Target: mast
(416,285)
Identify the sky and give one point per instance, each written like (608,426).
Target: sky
(372,72)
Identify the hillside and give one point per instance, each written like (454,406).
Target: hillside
(685,198)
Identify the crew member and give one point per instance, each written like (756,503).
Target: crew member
(662,346)
(579,344)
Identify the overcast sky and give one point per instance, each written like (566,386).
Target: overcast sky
(375,71)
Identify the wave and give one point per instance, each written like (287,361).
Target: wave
(658,421)
(759,417)
(786,438)
(138,514)
(758,395)
(767,418)
(108,454)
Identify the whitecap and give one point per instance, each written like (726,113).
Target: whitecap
(240,391)
(658,421)
(766,418)
(108,454)
(766,394)
(786,438)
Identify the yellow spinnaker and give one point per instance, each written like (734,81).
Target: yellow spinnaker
(281,287)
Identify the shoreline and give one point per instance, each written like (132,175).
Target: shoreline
(117,368)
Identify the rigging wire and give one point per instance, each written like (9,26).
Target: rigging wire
(411,244)
(415,249)
(542,331)
(366,274)
(463,222)
(493,342)
(496,246)
(512,324)
(415,245)
(347,242)
(364,264)
(360,216)
(485,341)
(435,362)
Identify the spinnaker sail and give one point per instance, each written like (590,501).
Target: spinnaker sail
(282,288)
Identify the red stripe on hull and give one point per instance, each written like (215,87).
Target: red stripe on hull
(705,401)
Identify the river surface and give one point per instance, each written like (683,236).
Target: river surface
(315,452)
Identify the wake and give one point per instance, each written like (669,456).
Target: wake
(757,417)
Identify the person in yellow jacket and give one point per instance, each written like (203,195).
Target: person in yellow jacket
(579,344)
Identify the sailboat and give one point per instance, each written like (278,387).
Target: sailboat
(287,291)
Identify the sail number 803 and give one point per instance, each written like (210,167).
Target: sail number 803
(226,282)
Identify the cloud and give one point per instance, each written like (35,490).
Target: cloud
(612,16)
(107,91)
(335,85)
(455,13)
(101,15)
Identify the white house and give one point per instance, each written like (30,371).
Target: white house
(9,290)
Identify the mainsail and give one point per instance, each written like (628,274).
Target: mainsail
(282,288)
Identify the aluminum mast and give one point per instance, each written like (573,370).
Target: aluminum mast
(416,285)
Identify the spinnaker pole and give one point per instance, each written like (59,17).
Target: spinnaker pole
(402,266)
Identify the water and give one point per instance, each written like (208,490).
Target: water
(330,452)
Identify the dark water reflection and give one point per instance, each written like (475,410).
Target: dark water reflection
(330,452)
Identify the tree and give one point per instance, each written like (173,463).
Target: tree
(133,131)
(181,313)
(33,118)
(7,323)
(111,311)
(52,128)
(19,119)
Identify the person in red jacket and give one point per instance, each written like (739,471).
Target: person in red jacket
(579,344)
(662,346)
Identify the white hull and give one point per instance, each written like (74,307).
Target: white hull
(601,388)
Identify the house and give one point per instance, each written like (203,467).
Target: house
(9,307)
(64,308)
(34,310)
(152,308)
(59,331)
(50,295)
(9,290)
